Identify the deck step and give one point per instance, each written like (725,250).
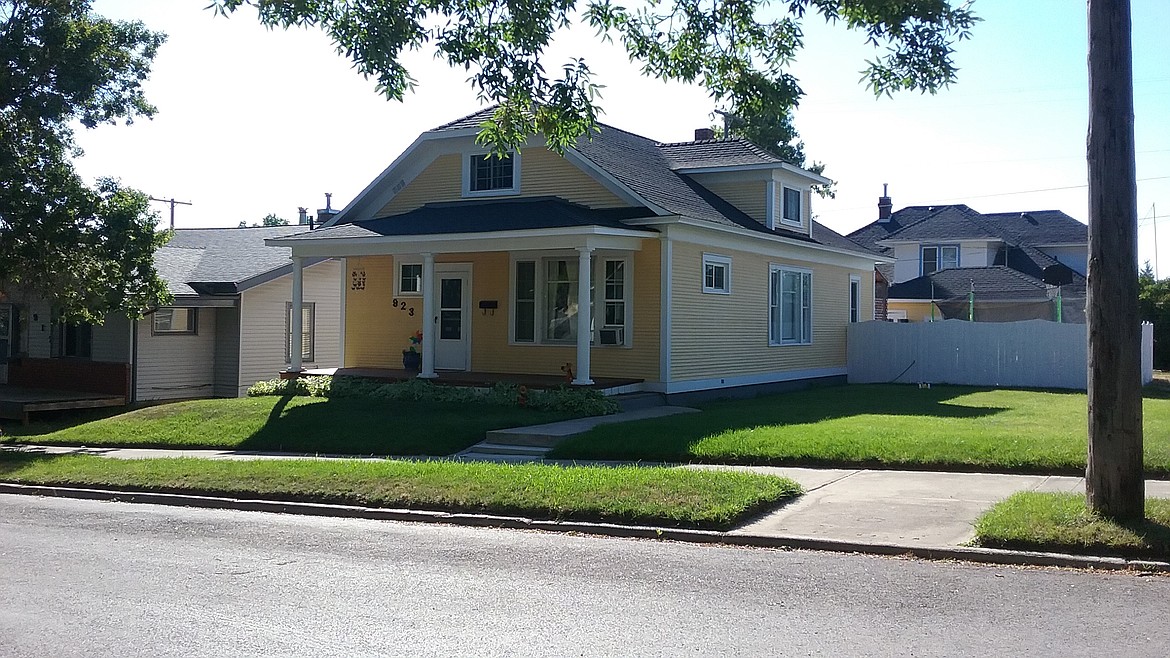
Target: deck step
(643,400)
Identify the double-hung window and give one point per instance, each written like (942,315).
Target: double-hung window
(789,306)
(716,274)
(791,212)
(545,300)
(308,315)
(939,257)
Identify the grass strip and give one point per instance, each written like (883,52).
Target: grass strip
(1060,522)
(879,426)
(354,426)
(658,496)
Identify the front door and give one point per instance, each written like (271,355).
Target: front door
(453,346)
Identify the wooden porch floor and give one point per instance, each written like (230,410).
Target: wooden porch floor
(17,402)
(461,378)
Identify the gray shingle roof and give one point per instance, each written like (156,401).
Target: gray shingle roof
(1039,227)
(870,234)
(216,259)
(647,168)
(947,223)
(996,281)
(716,153)
(480,217)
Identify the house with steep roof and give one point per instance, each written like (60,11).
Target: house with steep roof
(952,261)
(624,263)
(227,328)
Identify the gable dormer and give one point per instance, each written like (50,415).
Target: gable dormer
(769,190)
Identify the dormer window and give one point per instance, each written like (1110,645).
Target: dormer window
(939,257)
(791,213)
(486,174)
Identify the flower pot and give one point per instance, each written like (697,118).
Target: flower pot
(411,361)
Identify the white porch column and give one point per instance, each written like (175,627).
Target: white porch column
(295,329)
(430,324)
(584,299)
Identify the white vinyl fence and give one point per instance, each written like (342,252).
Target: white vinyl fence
(1028,354)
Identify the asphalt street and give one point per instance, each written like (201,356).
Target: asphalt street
(82,578)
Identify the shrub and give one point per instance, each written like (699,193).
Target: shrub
(578,401)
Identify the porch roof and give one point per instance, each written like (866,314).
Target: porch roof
(486,216)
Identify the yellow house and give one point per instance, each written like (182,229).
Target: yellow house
(700,261)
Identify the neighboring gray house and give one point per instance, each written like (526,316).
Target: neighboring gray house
(227,328)
(1015,263)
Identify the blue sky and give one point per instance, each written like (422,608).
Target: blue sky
(254,121)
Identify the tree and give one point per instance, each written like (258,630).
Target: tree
(272,220)
(739,50)
(88,249)
(1113,478)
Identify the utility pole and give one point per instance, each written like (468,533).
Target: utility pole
(1114,478)
(173,204)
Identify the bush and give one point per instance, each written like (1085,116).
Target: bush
(586,402)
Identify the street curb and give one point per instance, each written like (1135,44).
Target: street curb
(732,538)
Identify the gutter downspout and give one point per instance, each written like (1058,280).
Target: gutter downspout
(133,396)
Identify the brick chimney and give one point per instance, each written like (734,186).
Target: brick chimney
(704,133)
(885,204)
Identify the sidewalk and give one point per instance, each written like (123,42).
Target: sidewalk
(912,509)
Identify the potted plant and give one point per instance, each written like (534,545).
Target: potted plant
(411,357)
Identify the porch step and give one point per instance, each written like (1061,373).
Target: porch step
(635,401)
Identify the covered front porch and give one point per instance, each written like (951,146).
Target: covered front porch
(496,290)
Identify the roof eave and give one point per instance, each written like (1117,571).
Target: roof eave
(763,166)
(772,237)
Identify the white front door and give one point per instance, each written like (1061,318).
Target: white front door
(453,328)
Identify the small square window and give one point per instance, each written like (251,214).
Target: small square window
(716,274)
(410,279)
(792,213)
(491,172)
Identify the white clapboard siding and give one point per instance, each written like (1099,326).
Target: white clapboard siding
(262,323)
(176,366)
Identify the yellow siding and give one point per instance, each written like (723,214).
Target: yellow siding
(751,197)
(377,332)
(727,335)
(543,173)
(915,311)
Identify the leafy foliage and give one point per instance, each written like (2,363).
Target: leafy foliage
(584,402)
(1154,306)
(739,50)
(89,249)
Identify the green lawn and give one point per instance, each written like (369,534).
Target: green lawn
(1061,523)
(943,427)
(660,496)
(296,424)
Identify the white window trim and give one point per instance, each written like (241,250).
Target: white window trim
(193,331)
(922,259)
(772,269)
(716,259)
(598,279)
(854,280)
(799,221)
(311,330)
(465,166)
(398,278)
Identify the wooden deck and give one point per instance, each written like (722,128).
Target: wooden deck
(461,378)
(17,402)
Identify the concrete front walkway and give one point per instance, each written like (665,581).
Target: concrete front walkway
(903,508)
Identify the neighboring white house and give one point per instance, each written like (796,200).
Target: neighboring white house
(227,328)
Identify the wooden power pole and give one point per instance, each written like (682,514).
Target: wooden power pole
(1114,478)
(173,203)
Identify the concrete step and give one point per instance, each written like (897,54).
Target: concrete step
(489,448)
(549,435)
(644,400)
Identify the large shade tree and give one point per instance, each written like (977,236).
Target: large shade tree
(88,248)
(738,50)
